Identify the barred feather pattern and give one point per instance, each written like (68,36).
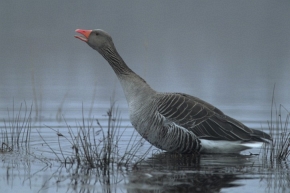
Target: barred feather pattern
(164,134)
(176,122)
(118,65)
(205,121)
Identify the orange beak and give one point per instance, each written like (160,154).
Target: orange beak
(85,33)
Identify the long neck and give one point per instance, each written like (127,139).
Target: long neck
(133,85)
(115,60)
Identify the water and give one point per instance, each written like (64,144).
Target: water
(36,168)
(160,172)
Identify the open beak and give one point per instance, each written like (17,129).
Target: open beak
(85,34)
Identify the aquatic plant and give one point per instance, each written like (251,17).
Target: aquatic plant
(97,146)
(279,148)
(15,133)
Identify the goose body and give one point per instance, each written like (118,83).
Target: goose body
(174,122)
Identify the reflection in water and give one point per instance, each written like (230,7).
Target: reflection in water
(162,172)
(187,173)
(43,175)
(278,180)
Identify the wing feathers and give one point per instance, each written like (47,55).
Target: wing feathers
(204,120)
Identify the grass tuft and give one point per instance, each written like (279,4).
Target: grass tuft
(96,146)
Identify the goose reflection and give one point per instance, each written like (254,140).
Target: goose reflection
(165,172)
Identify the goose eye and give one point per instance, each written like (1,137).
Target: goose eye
(97,33)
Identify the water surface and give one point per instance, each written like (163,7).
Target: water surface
(36,168)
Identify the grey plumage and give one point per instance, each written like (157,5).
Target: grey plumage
(174,122)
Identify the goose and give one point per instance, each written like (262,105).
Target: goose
(173,122)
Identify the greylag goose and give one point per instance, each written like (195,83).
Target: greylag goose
(174,122)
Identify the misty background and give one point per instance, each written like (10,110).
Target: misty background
(228,53)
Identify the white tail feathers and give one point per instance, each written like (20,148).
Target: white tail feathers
(221,146)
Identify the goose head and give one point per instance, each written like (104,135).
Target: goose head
(96,39)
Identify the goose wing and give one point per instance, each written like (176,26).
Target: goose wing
(203,119)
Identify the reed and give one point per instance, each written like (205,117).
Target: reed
(97,146)
(16,131)
(279,148)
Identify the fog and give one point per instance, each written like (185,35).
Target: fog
(229,53)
